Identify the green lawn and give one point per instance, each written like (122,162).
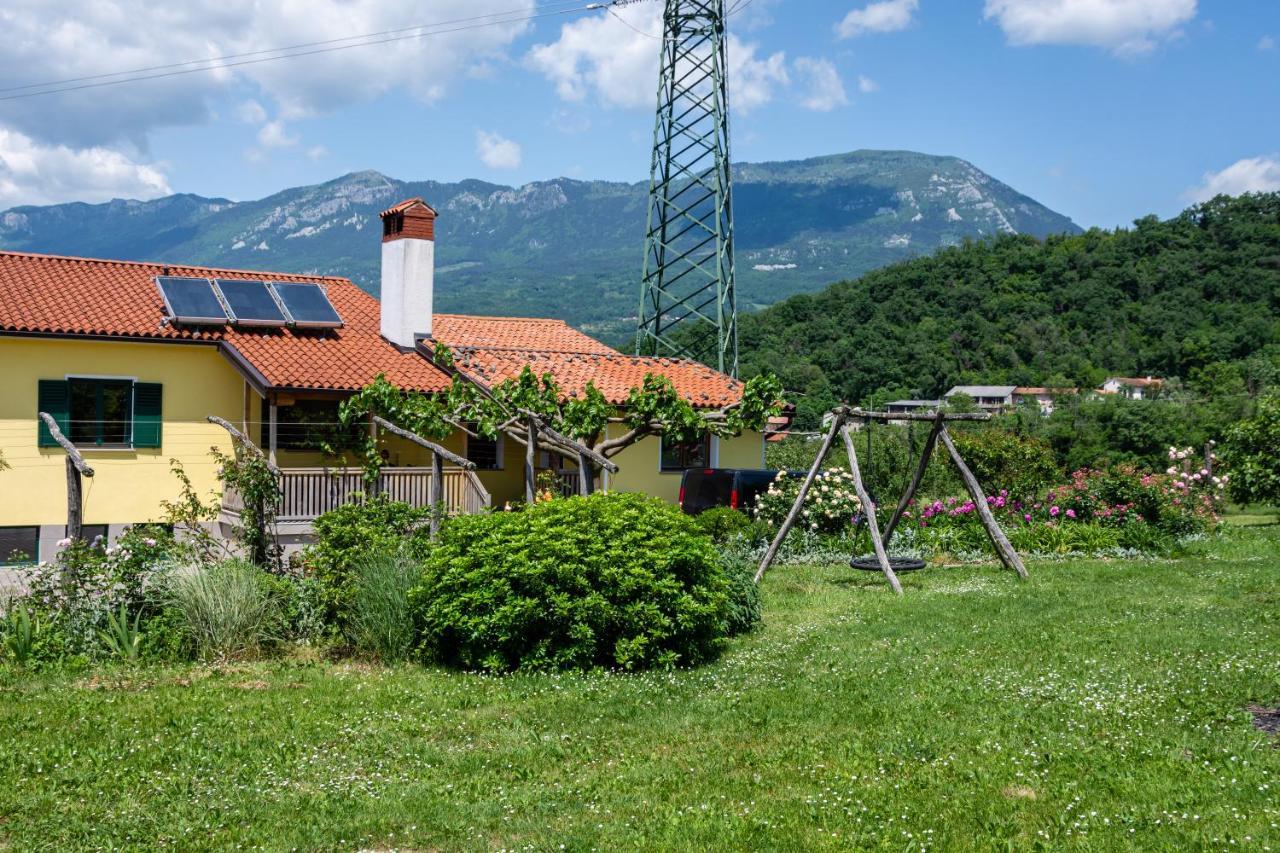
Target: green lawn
(1099,705)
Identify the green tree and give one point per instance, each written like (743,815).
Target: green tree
(1251,454)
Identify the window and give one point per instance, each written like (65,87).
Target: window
(485,452)
(310,425)
(101,412)
(19,545)
(91,532)
(683,455)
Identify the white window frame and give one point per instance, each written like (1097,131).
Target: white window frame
(133,409)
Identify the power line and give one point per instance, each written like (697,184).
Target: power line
(292,52)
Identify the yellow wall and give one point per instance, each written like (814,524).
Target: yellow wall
(127,485)
(641,470)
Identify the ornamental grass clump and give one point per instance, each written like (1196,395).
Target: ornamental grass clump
(381,619)
(613,580)
(226,609)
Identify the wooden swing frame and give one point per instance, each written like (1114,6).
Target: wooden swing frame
(841,417)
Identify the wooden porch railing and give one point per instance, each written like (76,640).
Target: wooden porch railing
(307,493)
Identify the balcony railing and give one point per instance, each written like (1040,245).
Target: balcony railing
(307,493)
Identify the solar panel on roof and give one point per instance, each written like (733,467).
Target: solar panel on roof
(251,302)
(308,306)
(191,300)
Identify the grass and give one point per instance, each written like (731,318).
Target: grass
(1100,705)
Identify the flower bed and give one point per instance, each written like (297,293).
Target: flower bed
(1095,511)
(830,507)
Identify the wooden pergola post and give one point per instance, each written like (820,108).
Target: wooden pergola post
(435,495)
(76,468)
(530,448)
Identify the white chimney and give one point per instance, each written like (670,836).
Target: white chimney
(408,271)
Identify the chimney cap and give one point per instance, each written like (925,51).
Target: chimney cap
(406,205)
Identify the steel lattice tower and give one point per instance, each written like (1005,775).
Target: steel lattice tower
(688,274)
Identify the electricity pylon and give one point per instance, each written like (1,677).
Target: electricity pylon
(688,275)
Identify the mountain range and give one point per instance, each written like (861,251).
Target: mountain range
(563,248)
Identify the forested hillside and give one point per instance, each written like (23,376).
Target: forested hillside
(1195,297)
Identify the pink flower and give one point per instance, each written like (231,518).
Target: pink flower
(1053,511)
(1027,517)
(1071,513)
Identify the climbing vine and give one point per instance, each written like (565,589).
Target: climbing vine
(251,476)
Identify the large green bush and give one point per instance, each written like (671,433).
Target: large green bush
(1021,465)
(352,532)
(609,580)
(1252,455)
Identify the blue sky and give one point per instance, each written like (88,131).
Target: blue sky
(1104,110)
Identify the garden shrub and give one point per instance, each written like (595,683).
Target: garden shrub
(1018,464)
(1252,455)
(829,507)
(347,534)
(381,619)
(611,580)
(227,608)
(724,524)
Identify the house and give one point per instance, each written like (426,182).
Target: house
(904,407)
(1042,397)
(989,398)
(1132,388)
(131,358)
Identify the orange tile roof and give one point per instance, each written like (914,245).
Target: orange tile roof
(613,373)
(513,333)
(47,294)
(79,296)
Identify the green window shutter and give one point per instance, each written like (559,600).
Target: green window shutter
(54,397)
(147,414)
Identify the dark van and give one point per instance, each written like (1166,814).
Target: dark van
(704,488)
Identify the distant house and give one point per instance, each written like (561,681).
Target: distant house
(904,407)
(990,398)
(1042,397)
(1132,388)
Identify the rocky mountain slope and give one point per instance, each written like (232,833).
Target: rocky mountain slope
(563,248)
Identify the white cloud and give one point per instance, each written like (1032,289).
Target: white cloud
(866,85)
(251,112)
(885,16)
(1266,43)
(1251,175)
(1125,27)
(497,152)
(32,173)
(317,153)
(274,135)
(46,41)
(614,58)
(825,88)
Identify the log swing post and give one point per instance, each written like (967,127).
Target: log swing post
(1004,550)
(837,421)
(76,468)
(869,512)
(916,479)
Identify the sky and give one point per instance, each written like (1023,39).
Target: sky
(1104,110)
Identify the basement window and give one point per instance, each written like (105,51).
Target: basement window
(19,546)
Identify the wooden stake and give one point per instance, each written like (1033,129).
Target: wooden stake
(436,499)
(916,479)
(1003,549)
(869,512)
(531,446)
(837,421)
(586,475)
(76,466)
